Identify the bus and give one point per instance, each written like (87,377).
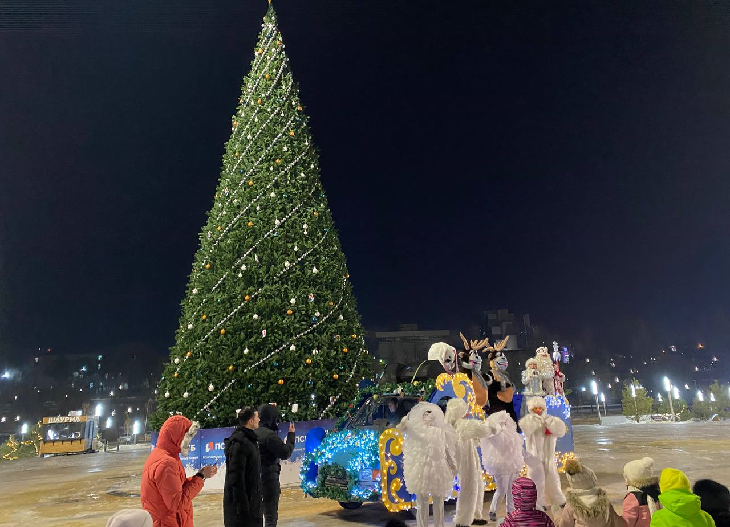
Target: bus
(68,434)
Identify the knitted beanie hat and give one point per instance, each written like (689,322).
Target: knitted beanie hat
(579,476)
(640,472)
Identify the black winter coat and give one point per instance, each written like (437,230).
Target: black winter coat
(272,449)
(242,489)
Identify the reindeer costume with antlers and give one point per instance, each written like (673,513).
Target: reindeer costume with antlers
(501,390)
(474,365)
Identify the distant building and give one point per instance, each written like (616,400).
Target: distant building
(409,344)
(500,323)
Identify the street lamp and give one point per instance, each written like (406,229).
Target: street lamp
(594,390)
(603,400)
(668,389)
(98,410)
(675,390)
(108,422)
(712,400)
(23,431)
(700,396)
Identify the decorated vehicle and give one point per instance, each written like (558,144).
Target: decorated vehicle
(361,459)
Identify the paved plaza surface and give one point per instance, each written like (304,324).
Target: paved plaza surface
(83,490)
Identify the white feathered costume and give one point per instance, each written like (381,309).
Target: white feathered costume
(502,457)
(429,459)
(471,484)
(541,433)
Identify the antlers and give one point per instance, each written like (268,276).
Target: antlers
(499,346)
(475,345)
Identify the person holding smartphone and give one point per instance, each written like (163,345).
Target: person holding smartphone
(273,450)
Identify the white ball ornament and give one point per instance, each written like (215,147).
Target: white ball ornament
(316,313)
(186,395)
(190,326)
(240,275)
(167,394)
(293,301)
(243,267)
(195,291)
(245,351)
(277,222)
(211,387)
(255,316)
(340,317)
(315,270)
(296,248)
(177,360)
(292,347)
(287,265)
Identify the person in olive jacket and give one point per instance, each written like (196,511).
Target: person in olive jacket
(242,488)
(273,450)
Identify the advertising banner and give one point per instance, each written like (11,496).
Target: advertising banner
(208,444)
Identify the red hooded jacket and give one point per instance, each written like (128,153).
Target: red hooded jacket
(166,493)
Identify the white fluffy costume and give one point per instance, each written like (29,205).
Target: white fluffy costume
(541,433)
(471,484)
(502,458)
(429,459)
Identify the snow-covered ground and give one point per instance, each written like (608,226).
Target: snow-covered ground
(83,490)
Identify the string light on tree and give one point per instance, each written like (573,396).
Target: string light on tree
(268,194)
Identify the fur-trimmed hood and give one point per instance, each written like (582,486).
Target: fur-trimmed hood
(588,504)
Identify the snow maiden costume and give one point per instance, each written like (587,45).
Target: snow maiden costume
(429,459)
(531,378)
(502,459)
(541,433)
(468,432)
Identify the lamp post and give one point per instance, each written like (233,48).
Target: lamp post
(712,400)
(594,389)
(603,400)
(668,389)
(23,431)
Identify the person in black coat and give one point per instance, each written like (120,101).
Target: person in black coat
(273,450)
(242,488)
(715,500)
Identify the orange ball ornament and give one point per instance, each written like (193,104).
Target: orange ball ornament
(207,266)
(330,303)
(291,133)
(316,213)
(189,354)
(261,51)
(175,375)
(204,317)
(278,161)
(281,381)
(219,227)
(289,312)
(223,331)
(258,101)
(335,376)
(250,224)
(308,361)
(354,336)
(247,298)
(250,183)
(267,76)
(230,368)
(344,350)
(299,108)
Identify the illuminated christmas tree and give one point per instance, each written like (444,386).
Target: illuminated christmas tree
(269,315)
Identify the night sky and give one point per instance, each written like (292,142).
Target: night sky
(566,159)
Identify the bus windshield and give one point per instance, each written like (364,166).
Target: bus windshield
(63,431)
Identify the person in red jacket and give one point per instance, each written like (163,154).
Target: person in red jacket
(166,493)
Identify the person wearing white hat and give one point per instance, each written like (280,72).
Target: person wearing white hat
(642,499)
(130,518)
